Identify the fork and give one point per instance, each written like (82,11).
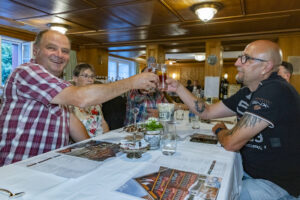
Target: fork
(12,195)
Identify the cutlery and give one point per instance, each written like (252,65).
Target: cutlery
(12,195)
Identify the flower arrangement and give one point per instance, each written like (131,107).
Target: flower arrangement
(152,124)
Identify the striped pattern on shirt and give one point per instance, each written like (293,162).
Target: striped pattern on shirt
(29,123)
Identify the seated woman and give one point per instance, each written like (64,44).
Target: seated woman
(91,117)
(145,102)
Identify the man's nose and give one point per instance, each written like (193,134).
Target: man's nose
(59,53)
(238,62)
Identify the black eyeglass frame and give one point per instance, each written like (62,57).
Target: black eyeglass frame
(244,58)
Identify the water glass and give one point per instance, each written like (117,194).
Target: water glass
(166,111)
(153,138)
(168,141)
(179,114)
(195,122)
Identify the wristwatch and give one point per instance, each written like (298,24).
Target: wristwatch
(218,130)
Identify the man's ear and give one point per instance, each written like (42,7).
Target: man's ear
(35,50)
(268,67)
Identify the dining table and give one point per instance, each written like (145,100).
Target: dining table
(197,170)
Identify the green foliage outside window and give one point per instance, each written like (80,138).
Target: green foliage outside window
(6,61)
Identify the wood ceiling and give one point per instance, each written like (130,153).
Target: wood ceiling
(125,27)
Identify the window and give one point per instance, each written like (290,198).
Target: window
(120,68)
(13,53)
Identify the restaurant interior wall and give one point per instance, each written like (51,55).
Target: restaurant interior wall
(290,46)
(95,56)
(195,71)
(230,69)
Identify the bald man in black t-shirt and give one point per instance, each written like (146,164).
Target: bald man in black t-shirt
(267,133)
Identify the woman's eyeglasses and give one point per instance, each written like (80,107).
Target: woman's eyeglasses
(86,76)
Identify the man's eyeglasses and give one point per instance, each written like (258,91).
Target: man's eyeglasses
(245,58)
(87,76)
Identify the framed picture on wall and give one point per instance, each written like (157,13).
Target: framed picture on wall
(295,60)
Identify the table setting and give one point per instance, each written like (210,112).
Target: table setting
(155,148)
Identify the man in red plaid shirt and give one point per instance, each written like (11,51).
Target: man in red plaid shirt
(34,117)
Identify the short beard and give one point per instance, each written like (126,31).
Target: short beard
(239,81)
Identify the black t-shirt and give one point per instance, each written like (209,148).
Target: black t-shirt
(274,153)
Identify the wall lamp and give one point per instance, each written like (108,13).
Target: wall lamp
(62,28)
(206,10)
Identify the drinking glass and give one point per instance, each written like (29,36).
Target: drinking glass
(179,113)
(162,74)
(152,67)
(166,111)
(168,140)
(195,122)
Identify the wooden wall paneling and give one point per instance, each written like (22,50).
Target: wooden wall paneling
(81,54)
(174,69)
(96,57)
(290,46)
(213,47)
(156,51)
(191,71)
(102,66)
(231,70)
(17,33)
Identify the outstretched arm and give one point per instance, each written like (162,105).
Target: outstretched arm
(234,139)
(98,93)
(199,106)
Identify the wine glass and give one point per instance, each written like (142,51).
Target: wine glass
(135,113)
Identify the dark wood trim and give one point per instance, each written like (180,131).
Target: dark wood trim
(17,33)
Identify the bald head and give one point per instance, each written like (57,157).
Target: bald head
(259,60)
(267,50)
(41,34)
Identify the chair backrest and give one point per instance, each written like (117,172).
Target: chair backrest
(114,112)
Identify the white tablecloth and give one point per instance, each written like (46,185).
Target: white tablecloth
(102,181)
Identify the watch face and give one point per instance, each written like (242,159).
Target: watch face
(212,59)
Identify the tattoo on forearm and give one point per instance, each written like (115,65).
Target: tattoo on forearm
(246,121)
(230,132)
(199,110)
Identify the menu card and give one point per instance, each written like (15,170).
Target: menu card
(93,150)
(168,183)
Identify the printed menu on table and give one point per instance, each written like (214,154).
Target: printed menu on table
(174,184)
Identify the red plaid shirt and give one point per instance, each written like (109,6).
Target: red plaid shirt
(29,124)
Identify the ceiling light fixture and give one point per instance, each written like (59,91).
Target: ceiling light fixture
(206,10)
(171,62)
(200,56)
(62,28)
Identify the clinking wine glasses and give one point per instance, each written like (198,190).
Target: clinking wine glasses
(161,71)
(162,74)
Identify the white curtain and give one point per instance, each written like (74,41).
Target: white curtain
(68,71)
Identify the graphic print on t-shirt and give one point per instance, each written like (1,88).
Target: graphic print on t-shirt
(243,106)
